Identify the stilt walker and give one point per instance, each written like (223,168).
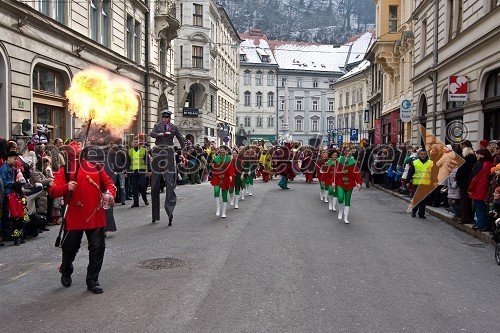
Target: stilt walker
(347,176)
(330,180)
(221,180)
(323,195)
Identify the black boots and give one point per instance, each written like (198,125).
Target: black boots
(95,288)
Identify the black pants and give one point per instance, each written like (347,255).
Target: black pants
(421,205)
(70,246)
(139,186)
(6,223)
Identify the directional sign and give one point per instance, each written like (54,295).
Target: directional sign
(354,134)
(405,112)
(340,140)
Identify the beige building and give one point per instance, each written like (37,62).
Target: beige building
(206,70)
(391,70)
(351,94)
(464,44)
(43,44)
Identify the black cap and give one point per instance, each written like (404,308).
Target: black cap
(166,112)
(12,153)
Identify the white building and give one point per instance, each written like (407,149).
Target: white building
(465,41)
(256,112)
(207,72)
(43,44)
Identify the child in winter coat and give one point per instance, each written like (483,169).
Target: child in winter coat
(454,194)
(18,212)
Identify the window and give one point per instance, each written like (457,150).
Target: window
(259,99)
(315,83)
(48,80)
(330,105)
(243,57)
(315,105)
(181,13)
(247,98)
(129,35)
(212,132)
(340,99)
(162,62)
(331,123)
(282,103)
(270,99)
(181,55)
(298,125)
(347,98)
(258,78)
(314,125)
(105,10)
(283,82)
(259,122)
(360,95)
(298,105)
(43,7)
(265,58)
(353,94)
(197,57)
(238,121)
(423,38)
(247,78)
(247,121)
(353,120)
(198,15)
(94,19)
(393,18)
(270,79)
(270,122)
(60,11)
(299,82)
(137,44)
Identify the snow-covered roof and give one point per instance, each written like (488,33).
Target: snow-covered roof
(310,57)
(356,70)
(254,48)
(360,45)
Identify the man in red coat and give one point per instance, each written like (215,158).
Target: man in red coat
(84,213)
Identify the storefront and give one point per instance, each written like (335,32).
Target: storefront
(491,106)
(391,128)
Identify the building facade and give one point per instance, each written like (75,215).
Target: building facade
(461,42)
(206,71)
(43,44)
(351,96)
(256,112)
(391,71)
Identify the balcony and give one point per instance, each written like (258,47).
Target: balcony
(166,25)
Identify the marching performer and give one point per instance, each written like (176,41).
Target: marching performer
(85,213)
(283,165)
(265,164)
(320,171)
(347,176)
(236,184)
(307,165)
(250,165)
(221,179)
(329,178)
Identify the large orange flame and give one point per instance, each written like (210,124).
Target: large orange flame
(93,96)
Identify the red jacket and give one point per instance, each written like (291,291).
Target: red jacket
(84,211)
(478,188)
(17,206)
(347,174)
(329,172)
(320,171)
(223,172)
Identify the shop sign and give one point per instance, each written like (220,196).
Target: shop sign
(458,87)
(190,112)
(405,112)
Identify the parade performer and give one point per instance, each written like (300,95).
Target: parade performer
(284,166)
(265,165)
(163,165)
(330,180)
(320,171)
(236,184)
(85,213)
(347,176)
(221,180)
(250,165)
(307,165)
(18,212)
(138,161)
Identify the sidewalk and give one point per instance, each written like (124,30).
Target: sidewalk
(443,215)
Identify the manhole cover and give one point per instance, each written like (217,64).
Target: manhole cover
(480,245)
(161,263)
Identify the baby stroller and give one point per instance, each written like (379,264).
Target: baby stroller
(36,222)
(496,237)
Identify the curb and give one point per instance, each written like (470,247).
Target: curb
(444,216)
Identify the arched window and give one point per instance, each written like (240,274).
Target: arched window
(190,99)
(258,78)
(270,78)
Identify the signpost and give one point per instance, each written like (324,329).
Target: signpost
(340,140)
(405,112)
(354,134)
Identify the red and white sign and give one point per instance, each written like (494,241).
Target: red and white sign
(458,86)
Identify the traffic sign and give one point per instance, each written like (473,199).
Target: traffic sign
(340,140)
(354,134)
(405,112)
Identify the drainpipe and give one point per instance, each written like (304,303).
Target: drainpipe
(146,76)
(434,65)
(277,105)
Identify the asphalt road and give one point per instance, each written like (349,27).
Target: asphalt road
(280,263)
